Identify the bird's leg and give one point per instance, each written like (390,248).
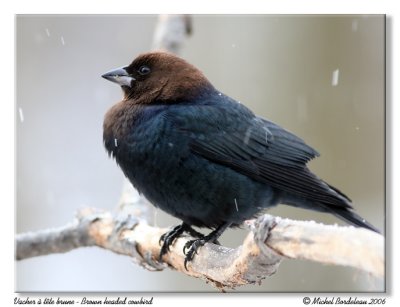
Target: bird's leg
(194,233)
(193,245)
(169,237)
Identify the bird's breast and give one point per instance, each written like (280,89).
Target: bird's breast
(144,145)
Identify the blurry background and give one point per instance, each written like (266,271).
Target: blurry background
(321,77)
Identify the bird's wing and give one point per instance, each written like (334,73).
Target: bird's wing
(233,136)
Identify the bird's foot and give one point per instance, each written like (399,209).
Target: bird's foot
(193,245)
(169,237)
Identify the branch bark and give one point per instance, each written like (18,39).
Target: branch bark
(271,240)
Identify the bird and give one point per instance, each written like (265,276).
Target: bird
(205,158)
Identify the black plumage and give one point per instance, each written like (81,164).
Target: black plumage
(203,157)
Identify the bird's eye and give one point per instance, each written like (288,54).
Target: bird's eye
(144,70)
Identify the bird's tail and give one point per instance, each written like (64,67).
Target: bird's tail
(350,216)
(342,208)
(346,212)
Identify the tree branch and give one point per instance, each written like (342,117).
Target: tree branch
(271,240)
(171,32)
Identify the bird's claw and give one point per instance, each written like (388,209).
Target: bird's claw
(187,245)
(168,239)
(216,242)
(162,238)
(192,246)
(167,242)
(163,251)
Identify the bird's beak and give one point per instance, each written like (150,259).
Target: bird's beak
(119,76)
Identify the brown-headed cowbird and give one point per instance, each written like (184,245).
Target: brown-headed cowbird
(204,158)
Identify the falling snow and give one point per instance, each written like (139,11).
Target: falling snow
(247,136)
(116,142)
(155,213)
(237,208)
(62,40)
(21,115)
(47,32)
(335,77)
(268,135)
(354,26)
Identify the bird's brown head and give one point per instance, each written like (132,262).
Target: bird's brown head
(160,77)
